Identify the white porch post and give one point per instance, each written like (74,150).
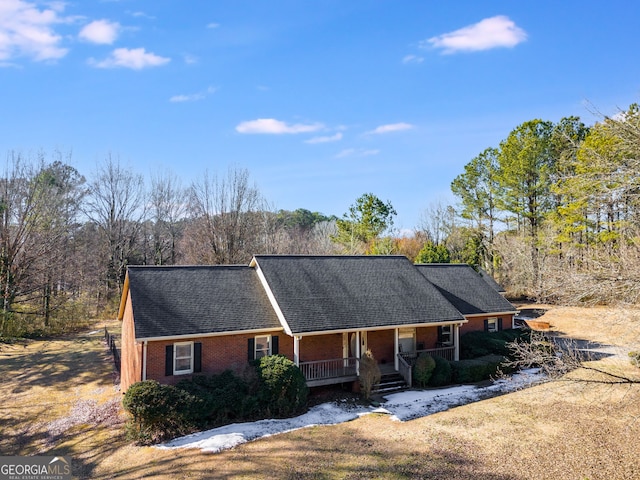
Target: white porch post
(296,350)
(358,352)
(396,348)
(456,342)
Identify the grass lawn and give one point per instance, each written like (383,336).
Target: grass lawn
(58,398)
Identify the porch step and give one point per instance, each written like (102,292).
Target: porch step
(389,383)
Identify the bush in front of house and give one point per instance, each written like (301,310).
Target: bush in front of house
(282,388)
(479,344)
(369,373)
(441,374)
(423,369)
(476,369)
(158,412)
(221,398)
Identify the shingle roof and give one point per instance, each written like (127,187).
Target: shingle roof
(492,282)
(465,288)
(325,293)
(190,300)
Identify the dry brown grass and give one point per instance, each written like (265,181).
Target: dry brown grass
(568,430)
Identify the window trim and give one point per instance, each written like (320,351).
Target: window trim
(492,325)
(447,332)
(268,350)
(176,358)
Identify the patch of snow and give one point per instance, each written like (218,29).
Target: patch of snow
(401,406)
(94,332)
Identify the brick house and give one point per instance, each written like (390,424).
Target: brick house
(321,312)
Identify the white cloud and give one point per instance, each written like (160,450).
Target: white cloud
(25,30)
(327,139)
(276,127)
(412,59)
(193,97)
(392,127)
(100,31)
(213,25)
(357,152)
(494,32)
(135,59)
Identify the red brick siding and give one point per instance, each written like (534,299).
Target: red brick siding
(381,344)
(228,352)
(428,336)
(320,347)
(477,323)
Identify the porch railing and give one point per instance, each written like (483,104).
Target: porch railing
(405,369)
(324,369)
(447,353)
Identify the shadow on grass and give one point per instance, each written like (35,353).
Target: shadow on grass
(302,457)
(56,363)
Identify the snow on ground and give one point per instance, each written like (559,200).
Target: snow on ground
(401,406)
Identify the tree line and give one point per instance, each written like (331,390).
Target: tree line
(552,212)
(66,240)
(554,209)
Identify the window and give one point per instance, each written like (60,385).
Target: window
(446,335)
(263,346)
(492,324)
(182,358)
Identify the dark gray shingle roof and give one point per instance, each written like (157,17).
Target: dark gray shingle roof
(492,282)
(191,300)
(324,293)
(465,288)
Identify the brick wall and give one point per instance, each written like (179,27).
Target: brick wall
(381,344)
(227,352)
(320,347)
(477,323)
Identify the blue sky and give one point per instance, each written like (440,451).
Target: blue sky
(320,100)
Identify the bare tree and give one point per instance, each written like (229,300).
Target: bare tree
(167,209)
(38,203)
(116,204)
(557,356)
(228,222)
(437,221)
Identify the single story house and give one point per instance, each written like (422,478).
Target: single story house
(322,312)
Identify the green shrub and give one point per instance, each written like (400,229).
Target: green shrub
(369,373)
(635,358)
(423,369)
(282,386)
(441,374)
(476,369)
(220,398)
(479,344)
(158,412)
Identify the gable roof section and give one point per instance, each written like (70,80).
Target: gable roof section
(333,293)
(465,288)
(194,300)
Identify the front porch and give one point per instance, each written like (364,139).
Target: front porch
(343,370)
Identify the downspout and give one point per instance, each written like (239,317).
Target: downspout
(144,360)
(456,342)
